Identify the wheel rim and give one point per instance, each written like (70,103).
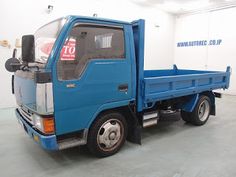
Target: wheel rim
(110,135)
(204,110)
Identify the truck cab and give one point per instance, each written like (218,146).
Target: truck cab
(81,81)
(83,66)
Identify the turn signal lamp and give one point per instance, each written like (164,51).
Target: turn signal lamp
(48,125)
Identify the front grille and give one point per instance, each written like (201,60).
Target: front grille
(26,115)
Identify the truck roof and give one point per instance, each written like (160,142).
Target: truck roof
(97,19)
(86,18)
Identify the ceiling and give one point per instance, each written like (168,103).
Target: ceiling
(186,6)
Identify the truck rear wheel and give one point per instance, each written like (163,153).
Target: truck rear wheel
(107,134)
(185,116)
(201,112)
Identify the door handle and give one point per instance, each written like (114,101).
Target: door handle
(70,85)
(123,88)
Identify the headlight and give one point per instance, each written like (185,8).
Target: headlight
(38,122)
(44,124)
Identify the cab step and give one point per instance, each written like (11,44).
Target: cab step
(150,119)
(75,139)
(72,142)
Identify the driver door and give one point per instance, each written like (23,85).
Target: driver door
(93,70)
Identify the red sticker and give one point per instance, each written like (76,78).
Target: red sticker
(47,48)
(68,51)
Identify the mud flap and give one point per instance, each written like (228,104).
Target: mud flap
(134,134)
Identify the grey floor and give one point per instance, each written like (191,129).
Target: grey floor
(171,149)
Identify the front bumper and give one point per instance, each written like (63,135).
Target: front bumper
(47,142)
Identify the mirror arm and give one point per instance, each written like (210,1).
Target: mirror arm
(34,67)
(24,68)
(15,64)
(14,53)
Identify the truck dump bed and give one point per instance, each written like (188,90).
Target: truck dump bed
(165,84)
(157,85)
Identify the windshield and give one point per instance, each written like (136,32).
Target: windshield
(45,38)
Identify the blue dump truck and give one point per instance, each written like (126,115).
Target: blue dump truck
(81,80)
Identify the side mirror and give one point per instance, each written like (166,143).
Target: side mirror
(28,49)
(13,64)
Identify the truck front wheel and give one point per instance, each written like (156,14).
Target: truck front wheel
(201,112)
(107,134)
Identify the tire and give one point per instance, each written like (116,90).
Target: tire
(185,116)
(107,134)
(201,112)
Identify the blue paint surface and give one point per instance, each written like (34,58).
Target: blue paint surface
(138,34)
(97,88)
(47,142)
(166,84)
(190,105)
(25,92)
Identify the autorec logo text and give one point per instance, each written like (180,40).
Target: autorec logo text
(199,43)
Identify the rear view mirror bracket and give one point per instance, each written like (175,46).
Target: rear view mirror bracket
(13,64)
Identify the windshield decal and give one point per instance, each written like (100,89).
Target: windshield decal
(68,51)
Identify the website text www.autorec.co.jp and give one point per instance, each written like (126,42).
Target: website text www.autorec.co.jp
(199,43)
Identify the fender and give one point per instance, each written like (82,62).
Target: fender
(107,106)
(211,95)
(190,105)
(134,130)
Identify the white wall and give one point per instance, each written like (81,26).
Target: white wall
(159,51)
(25,16)
(212,25)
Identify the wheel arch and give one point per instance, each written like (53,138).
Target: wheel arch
(189,105)
(132,120)
(211,95)
(192,102)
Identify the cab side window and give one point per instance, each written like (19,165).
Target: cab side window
(86,42)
